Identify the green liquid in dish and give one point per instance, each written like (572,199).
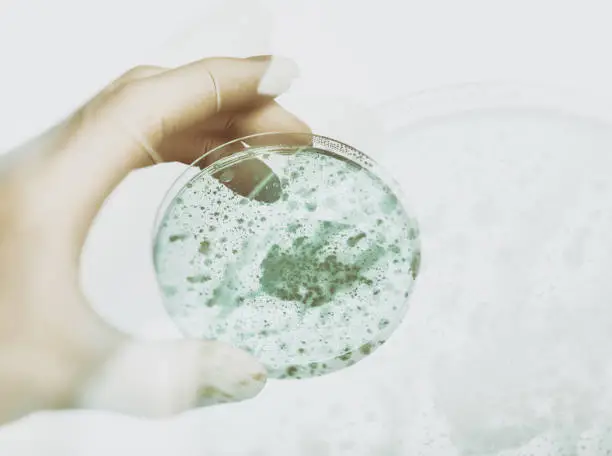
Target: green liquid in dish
(308,284)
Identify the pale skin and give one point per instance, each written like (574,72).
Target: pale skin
(55,352)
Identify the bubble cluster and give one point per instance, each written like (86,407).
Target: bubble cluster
(310,283)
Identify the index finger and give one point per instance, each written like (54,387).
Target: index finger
(195,92)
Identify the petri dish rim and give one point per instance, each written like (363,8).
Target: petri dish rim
(352,155)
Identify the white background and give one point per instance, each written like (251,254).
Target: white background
(56,54)
(354,55)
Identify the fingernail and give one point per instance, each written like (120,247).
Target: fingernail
(279,76)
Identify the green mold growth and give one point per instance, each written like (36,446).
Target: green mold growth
(366,349)
(204,247)
(302,274)
(353,240)
(413,233)
(415,264)
(198,279)
(177,237)
(346,356)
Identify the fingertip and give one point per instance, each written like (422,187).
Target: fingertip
(231,375)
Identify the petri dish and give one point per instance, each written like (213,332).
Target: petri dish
(296,248)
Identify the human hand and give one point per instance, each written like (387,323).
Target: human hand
(55,352)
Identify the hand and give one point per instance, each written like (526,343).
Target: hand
(55,352)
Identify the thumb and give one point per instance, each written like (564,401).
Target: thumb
(163,378)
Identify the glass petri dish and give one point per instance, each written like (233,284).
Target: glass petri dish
(294,247)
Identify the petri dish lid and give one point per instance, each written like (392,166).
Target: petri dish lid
(296,248)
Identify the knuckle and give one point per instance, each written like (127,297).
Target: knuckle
(126,92)
(138,72)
